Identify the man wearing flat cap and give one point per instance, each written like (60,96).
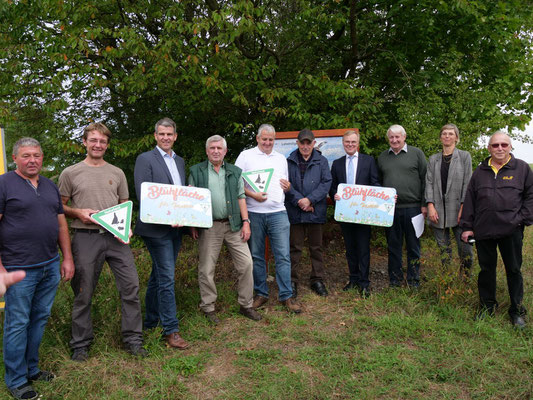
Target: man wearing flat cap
(306,206)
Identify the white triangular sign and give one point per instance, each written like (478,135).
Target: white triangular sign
(116,220)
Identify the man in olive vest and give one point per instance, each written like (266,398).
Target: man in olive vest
(230,225)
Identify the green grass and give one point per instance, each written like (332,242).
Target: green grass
(397,344)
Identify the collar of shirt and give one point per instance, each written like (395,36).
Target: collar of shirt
(354,155)
(165,154)
(259,152)
(404,148)
(212,166)
(494,169)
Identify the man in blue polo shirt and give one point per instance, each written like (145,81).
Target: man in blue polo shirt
(32,224)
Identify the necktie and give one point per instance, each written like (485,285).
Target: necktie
(350,179)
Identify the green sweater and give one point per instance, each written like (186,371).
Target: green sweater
(406,172)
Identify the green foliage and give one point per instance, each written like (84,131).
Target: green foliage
(225,66)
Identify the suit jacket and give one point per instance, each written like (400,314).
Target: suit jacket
(366,174)
(151,167)
(458,177)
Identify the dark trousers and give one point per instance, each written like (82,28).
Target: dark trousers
(90,250)
(313,232)
(357,244)
(403,227)
(511,252)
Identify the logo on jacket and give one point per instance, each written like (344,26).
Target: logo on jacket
(508,178)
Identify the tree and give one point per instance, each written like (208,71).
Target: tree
(226,66)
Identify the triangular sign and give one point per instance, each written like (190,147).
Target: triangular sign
(258,180)
(116,220)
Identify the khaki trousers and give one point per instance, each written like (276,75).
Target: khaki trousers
(210,243)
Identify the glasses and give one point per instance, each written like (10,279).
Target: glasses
(502,145)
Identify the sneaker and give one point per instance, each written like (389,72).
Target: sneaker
(292,306)
(249,312)
(24,392)
(136,349)
(44,376)
(80,354)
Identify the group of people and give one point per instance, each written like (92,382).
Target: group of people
(493,207)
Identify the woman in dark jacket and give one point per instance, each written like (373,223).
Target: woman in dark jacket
(447,179)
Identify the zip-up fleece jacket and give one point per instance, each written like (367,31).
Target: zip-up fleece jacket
(496,205)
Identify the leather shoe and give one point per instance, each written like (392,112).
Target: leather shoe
(294,287)
(518,321)
(249,312)
(259,301)
(212,317)
(176,341)
(484,312)
(319,288)
(364,292)
(136,349)
(292,306)
(349,286)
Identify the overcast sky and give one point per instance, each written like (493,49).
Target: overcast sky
(524,150)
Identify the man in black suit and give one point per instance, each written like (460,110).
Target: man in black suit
(360,169)
(161,165)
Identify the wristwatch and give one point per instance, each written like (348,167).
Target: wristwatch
(246,220)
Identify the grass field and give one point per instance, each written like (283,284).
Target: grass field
(398,344)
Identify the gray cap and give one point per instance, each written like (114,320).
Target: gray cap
(306,134)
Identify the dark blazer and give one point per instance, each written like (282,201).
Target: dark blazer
(151,167)
(366,174)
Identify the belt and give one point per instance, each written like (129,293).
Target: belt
(83,230)
(221,220)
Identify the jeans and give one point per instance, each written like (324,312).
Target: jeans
(160,294)
(277,227)
(28,306)
(403,226)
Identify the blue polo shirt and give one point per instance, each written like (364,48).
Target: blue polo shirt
(29,227)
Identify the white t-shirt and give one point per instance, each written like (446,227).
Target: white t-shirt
(254,159)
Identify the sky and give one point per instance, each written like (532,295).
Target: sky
(524,151)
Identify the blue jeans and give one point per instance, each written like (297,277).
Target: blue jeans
(403,227)
(277,227)
(28,305)
(160,294)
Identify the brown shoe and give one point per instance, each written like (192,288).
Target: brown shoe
(176,341)
(259,301)
(249,312)
(292,306)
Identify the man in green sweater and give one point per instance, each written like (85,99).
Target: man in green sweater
(403,167)
(230,225)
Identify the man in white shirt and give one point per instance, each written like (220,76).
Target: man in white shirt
(268,217)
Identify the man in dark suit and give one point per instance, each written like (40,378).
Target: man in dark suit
(161,165)
(360,169)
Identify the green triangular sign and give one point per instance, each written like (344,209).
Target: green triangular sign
(259,180)
(116,220)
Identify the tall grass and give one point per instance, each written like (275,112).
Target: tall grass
(398,344)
